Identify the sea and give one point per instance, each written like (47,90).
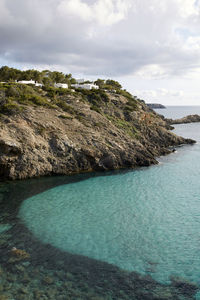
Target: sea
(145,220)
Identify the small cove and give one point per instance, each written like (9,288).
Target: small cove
(146,220)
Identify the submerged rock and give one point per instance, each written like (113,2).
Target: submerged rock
(4,227)
(186,287)
(18,255)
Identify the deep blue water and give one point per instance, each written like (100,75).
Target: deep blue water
(176,112)
(147,220)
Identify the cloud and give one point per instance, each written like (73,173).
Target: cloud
(149,38)
(104,12)
(159,93)
(174,93)
(75,8)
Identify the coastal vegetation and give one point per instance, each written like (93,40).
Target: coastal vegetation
(47,130)
(14,96)
(46,77)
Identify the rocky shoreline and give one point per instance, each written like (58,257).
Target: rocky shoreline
(184,120)
(80,134)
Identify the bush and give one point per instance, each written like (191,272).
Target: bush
(35,100)
(95,108)
(38,100)
(122,124)
(65,107)
(132,103)
(10,108)
(131,106)
(95,97)
(51,91)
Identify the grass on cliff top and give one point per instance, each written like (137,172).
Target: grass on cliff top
(14,97)
(95,98)
(54,93)
(124,125)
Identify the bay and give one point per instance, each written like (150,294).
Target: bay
(146,220)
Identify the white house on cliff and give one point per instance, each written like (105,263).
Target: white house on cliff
(61,85)
(30,82)
(85,86)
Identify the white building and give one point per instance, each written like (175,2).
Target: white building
(30,82)
(61,85)
(86,86)
(27,81)
(38,84)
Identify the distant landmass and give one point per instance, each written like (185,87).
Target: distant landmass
(155,105)
(184,120)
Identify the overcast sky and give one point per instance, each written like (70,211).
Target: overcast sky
(151,46)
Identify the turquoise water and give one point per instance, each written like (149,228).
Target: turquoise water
(146,220)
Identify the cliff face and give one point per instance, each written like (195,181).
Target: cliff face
(119,133)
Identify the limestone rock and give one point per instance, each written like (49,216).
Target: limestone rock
(38,142)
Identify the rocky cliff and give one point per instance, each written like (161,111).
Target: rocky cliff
(56,132)
(184,120)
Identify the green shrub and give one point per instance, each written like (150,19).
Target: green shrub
(65,107)
(132,103)
(28,99)
(13,91)
(38,100)
(10,108)
(96,97)
(62,91)
(127,95)
(52,92)
(95,108)
(131,106)
(125,125)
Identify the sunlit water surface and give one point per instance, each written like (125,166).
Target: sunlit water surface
(147,220)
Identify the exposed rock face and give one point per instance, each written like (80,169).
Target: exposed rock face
(184,120)
(42,141)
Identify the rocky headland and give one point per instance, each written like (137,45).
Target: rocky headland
(155,105)
(184,120)
(57,131)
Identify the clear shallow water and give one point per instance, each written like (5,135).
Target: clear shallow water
(147,220)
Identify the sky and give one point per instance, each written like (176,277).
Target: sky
(152,47)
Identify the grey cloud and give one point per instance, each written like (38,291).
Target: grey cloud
(35,33)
